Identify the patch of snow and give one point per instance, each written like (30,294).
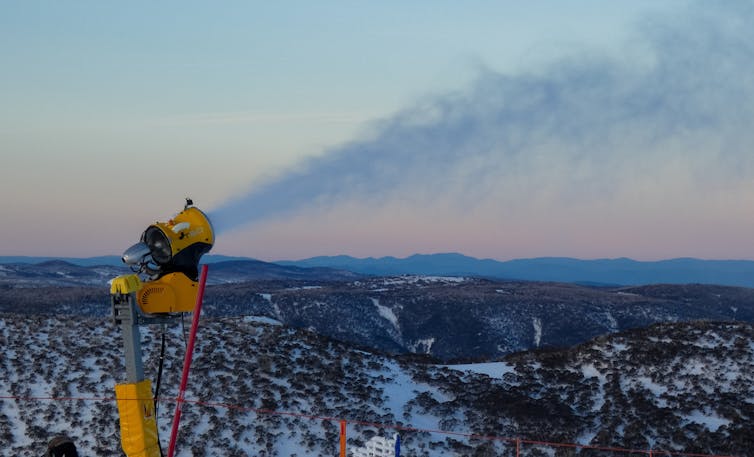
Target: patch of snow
(456,279)
(386,313)
(423,346)
(12,412)
(537,322)
(586,437)
(734,309)
(261,320)
(492,369)
(651,386)
(415,279)
(591,371)
(711,420)
(267,297)
(401,389)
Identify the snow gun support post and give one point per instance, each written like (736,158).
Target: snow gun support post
(168,257)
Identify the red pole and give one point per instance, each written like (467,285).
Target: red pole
(187,360)
(518,447)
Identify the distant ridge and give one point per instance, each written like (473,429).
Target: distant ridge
(598,272)
(59,272)
(107,260)
(621,271)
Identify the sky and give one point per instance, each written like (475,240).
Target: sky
(497,129)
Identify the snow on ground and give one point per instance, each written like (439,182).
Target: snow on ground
(586,437)
(401,389)
(591,371)
(386,312)
(711,421)
(261,320)
(491,369)
(423,346)
(415,279)
(537,323)
(656,389)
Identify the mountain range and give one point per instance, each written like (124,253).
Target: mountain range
(620,271)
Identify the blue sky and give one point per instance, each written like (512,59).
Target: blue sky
(112,113)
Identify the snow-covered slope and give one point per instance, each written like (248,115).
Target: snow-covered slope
(452,319)
(467,318)
(683,387)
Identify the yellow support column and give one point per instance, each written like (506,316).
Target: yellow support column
(138,424)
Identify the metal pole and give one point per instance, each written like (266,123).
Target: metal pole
(124,310)
(187,360)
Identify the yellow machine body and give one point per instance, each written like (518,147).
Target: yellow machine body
(125,284)
(138,424)
(186,228)
(172,293)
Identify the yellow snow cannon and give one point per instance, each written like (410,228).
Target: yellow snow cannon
(167,258)
(169,254)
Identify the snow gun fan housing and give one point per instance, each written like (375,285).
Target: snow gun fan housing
(169,254)
(174,246)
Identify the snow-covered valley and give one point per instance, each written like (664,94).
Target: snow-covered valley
(683,387)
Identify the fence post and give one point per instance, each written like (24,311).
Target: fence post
(342,438)
(518,447)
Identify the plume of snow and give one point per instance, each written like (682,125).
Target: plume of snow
(582,129)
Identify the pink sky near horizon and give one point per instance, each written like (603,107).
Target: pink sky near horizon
(108,124)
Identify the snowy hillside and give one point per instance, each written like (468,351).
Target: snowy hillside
(466,318)
(448,318)
(682,387)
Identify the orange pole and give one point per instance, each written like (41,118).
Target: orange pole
(518,447)
(342,438)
